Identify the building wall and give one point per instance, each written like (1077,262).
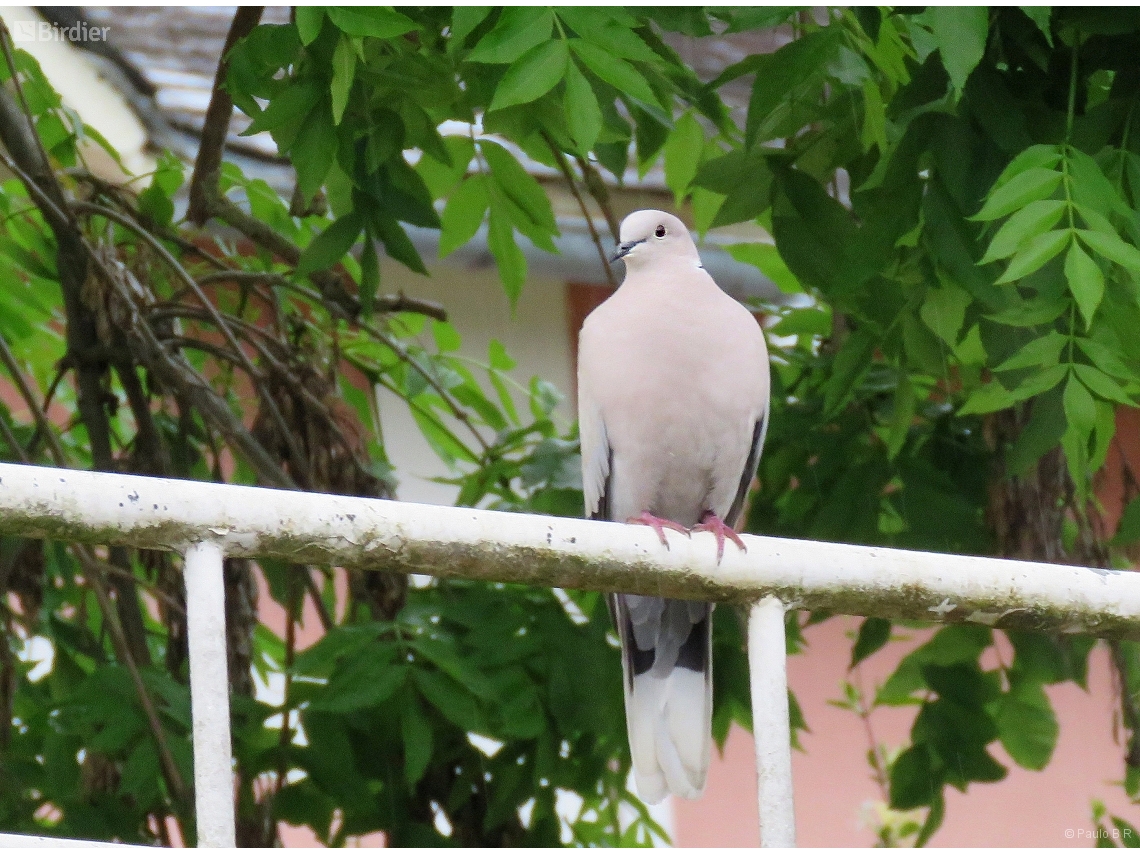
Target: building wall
(836,795)
(534,334)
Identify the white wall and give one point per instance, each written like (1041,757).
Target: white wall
(536,336)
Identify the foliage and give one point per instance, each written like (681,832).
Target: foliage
(955,189)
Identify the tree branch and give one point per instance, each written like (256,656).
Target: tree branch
(207,167)
(72,261)
(564,165)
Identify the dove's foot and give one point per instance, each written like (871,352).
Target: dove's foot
(721,531)
(658,525)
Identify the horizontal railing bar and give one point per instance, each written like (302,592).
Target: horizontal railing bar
(403,537)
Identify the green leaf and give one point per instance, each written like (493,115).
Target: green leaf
(1027,726)
(1103,385)
(369,275)
(1035,157)
(464,21)
(1031,314)
(416,732)
(1086,282)
(534,74)
(902,416)
(309,20)
(288,108)
(730,171)
(497,356)
(960,33)
(1025,187)
(993,396)
(377,21)
(1043,432)
(447,658)
(331,245)
(1128,530)
(1039,353)
(1030,221)
(1080,411)
(365,682)
(463,214)
(508,256)
(1112,248)
(683,154)
(314,149)
(944,311)
(1041,382)
(455,703)
(523,190)
(748,199)
(344,71)
(797,65)
(141,773)
(614,71)
(874,633)
(1036,252)
(1095,221)
(519,29)
(583,115)
(1040,15)
(597,25)
(397,244)
(914,782)
(851,363)
(1105,358)
(1090,187)
(766,258)
(1129,837)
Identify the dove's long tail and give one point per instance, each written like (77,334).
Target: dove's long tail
(667,668)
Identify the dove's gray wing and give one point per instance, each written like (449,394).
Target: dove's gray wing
(673,405)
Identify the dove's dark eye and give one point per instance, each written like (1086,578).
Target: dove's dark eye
(660,232)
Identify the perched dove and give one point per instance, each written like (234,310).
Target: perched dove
(673,386)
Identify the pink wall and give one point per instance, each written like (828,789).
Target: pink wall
(833,780)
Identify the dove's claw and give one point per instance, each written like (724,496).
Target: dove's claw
(658,525)
(721,531)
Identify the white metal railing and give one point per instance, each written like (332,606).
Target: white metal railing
(206,521)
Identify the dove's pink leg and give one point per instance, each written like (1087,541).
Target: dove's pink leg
(720,530)
(658,525)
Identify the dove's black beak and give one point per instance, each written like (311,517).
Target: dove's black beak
(623,249)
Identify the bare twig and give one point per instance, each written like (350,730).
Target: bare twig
(297,456)
(13,443)
(90,560)
(38,414)
(318,602)
(597,188)
(387,304)
(94,573)
(564,165)
(1129,706)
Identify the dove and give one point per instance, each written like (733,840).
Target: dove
(673,385)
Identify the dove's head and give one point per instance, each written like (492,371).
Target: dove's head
(651,237)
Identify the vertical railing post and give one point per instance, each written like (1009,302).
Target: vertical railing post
(768,666)
(209,695)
